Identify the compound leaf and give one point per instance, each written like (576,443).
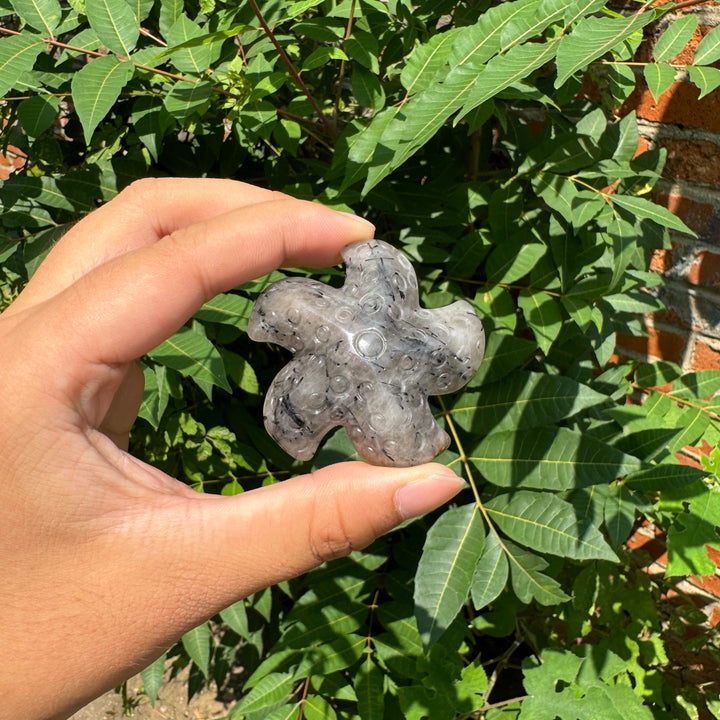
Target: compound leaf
(445,570)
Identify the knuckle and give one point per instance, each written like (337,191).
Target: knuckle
(329,536)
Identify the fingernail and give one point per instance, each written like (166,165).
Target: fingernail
(422,496)
(357,218)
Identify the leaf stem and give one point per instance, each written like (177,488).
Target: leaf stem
(288,62)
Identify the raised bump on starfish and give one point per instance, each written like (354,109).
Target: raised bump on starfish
(366,356)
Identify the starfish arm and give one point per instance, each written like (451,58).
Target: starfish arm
(376,268)
(458,332)
(297,314)
(392,426)
(297,408)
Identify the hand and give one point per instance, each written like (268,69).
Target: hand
(106,561)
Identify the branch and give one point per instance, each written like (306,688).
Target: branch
(288,62)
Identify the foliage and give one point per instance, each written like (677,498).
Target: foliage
(481,138)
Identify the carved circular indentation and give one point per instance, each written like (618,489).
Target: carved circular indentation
(294,316)
(372,303)
(444,381)
(407,362)
(343,315)
(316,400)
(370,344)
(322,334)
(377,422)
(399,282)
(339,384)
(296,344)
(438,358)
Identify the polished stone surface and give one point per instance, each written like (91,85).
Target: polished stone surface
(366,356)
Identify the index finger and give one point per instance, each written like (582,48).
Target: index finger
(140,215)
(127,306)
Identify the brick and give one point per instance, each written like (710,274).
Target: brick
(705,357)
(698,216)
(661,261)
(678,106)
(692,160)
(705,270)
(659,345)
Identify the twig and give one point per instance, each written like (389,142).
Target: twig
(338,94)
(288,62)
(304,698)
(502,703)
(502,662)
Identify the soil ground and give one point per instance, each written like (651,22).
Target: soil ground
(171,704)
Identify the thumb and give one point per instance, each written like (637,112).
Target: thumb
(242,544)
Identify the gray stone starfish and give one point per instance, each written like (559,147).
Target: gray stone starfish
(366,356)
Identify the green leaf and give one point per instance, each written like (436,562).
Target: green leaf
(38,113)
(152,677)
(691,532)
(619,514)
(115,25)
(228,309)
(316,707)
(409,129)
(41,15)
(508,264)
(326,658)
(298,7)
(445,570)
(193,355)
(187,98)
(363,48)
(642,208)
(271,692)
(187,58)
(591,38)
(523,400)
(141,9)
(17,56)
(491,573)
(503,353)
(197,646)
(96,87)
(528,580)
(548,524)
(549,459)
(578,683)
(666,476)
(675,38)
(708,49)
(706,78)
(369,688)
(367,89)
(427,61)
(697,385)
(170,11)
(323,55)
(236,618)
(543,314)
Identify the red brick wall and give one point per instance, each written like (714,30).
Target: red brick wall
(688,331)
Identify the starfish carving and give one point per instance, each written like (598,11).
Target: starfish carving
(366,356)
